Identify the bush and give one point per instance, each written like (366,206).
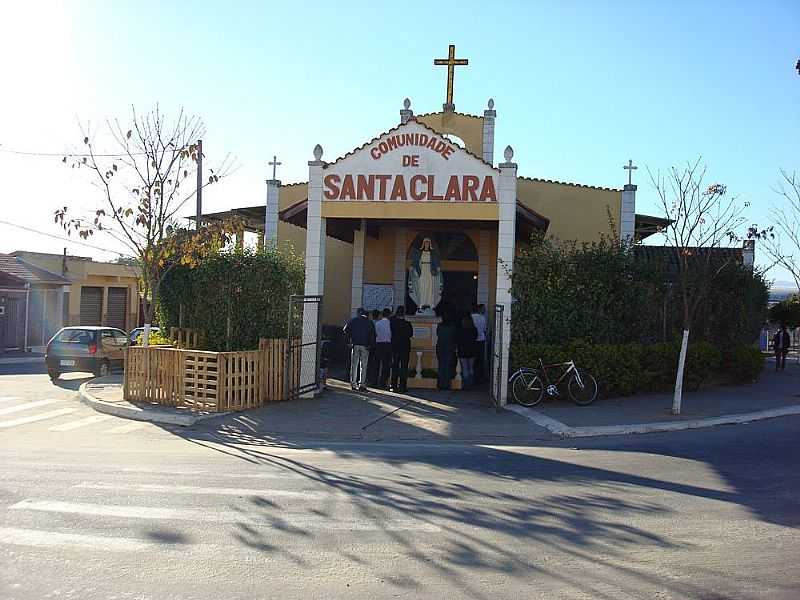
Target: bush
(156,339)
(743,364)
(625,369)
(235,297)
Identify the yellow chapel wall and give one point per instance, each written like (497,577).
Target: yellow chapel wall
(338,259)
(575,212)
(468,127)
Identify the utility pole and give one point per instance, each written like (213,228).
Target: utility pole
(199,184)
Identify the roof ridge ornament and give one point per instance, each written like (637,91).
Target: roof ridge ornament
(406,114)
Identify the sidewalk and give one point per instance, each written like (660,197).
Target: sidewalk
(775,394)
(104,394)
(340,413)
(15,357)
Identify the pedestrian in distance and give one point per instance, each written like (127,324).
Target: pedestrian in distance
(479,320)
(402,332)
(781,343)
(362,335)
(383,347)
(467,342)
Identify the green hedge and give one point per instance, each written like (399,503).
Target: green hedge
(251,289)
(625,369)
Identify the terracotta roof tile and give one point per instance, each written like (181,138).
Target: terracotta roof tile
(579,185)
(19,269)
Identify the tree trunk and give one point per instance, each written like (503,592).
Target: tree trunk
(678,395)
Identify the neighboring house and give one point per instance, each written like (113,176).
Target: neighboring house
(31,303)
(94,293)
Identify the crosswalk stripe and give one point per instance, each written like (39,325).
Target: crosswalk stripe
(212,491)
(187,514)
(69,426)
(40,417)
(9,398)
(50,539)
(259,475)
(128,427)
(26,406)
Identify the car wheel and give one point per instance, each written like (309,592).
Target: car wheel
(53,374)
(104,369)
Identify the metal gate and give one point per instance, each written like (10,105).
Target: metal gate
(496,379)
(117,307)
(303,358)
(91,305)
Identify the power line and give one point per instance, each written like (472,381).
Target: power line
(70,154)
(61,237)
(78,155)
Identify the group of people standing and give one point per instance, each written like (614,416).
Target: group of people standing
(461,336)
(380,349)
(381,345)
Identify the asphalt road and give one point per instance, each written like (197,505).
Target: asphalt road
(92,506)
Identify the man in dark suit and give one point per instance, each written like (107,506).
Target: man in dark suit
(402,332)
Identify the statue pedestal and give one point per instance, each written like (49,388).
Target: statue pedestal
(423,353)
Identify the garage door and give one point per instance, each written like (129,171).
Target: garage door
(117,306)
(91,305)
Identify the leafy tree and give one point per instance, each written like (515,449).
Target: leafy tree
(701,220)
(142,187)
(786,312)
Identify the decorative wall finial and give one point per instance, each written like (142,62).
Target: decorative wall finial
(491,103)
(508,153)
(406,103)
(317,152)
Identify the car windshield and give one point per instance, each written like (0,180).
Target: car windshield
(75,336)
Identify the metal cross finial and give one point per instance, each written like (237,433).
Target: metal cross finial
(451,61)
(630,169)
(274,164)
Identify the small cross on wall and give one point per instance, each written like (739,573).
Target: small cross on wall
(274,164)
(451,62)
(630,168)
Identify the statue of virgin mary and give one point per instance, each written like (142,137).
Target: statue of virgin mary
(425,278)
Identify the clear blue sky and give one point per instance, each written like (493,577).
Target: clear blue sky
(579,87)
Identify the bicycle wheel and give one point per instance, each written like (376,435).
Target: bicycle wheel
(582,391)
(528,388)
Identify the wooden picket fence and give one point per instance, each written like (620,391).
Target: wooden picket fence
(210,381)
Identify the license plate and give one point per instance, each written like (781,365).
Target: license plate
(67,363)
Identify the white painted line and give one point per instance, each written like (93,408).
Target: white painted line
(187,514)
(9,398)
(26,406)
(53,539)
(210,491)
(69,426)
(40,417)
(127,428)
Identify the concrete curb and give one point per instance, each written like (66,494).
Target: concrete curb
(565,431)
(137,413)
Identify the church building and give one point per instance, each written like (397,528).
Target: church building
(422,213)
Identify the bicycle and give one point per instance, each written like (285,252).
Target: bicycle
(530,385)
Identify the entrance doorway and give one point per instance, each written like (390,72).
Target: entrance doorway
(460,289)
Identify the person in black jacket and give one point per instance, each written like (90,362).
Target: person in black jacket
(402,332)
(446,333)
(362,336)
(781,343)
(467,340)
